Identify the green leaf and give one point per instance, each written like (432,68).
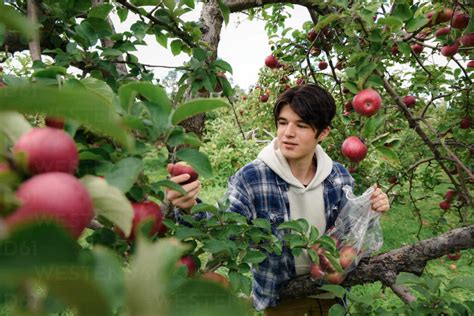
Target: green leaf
(109,275)
(176,47)
(100,11)
(189,3)
(187,232)
(463,282)
(140,3)
(77,104)
(416,23)
(87,33)
(125,173)
(50,72)
(162,39)
(369,127)
(170,185)
(197,160)
(326,20)
(225,10)
(303,224)
(394,23)
(293,225)
(254,257)
(170,4)
(13,125)
(150,276)
(222,64)
(127,94)
(215,246)
(15,21)
(110,203)
(122,13)
(199,53)
(203,207)
(408,278)
(337,310)
(404,48)
(198,298)
(262,223)
(402,10)
(195,107)
(388,155)
(100,88)
(338,290)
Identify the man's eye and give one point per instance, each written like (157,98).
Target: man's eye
(281,123)
(303,126)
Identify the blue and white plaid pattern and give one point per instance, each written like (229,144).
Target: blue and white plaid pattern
(255,191)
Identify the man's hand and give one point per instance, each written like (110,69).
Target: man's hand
(379,200)
(187,201)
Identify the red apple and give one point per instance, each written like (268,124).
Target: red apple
(334,278)
(450,50)
(409,101)
(394,50)
(465,123)
(393,180)
(448,196)
(311,35)
(443,31)
(444,205)
(325,263)
(143,212)
(300,81)
(271,62)
(417,48)
(314,51)
(445,15)
(348,106)
(352,169)
(454,256)
(468,39)
(347,255)
(218,86)
(354,149)
(367,102)
(54,122)
(460,20)
(48,149)
(470,64)
(181,168)
(57,196)
(322,65)
(340,64)
(316,272)
(244,97)
(216,277)
(191,264)
(264,97)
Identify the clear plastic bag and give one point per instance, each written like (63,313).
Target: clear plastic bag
(357,229)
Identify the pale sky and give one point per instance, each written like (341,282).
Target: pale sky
(244,45)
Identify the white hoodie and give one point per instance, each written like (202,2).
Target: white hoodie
(305,202)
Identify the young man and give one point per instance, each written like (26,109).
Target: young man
(291,178)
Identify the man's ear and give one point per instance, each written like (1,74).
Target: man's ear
(324,133)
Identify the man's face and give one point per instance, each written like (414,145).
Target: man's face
(296,139)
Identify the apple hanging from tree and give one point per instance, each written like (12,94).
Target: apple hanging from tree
(322,65)
(467,40)
(443,31)
(367,102)
(450,50)
(271,62)
(417,48)
(354,149)
(216,277)
(264,97)
(449,195)
(409,101)
(48,149)
(143,212)
(460,20)
(190,262)
(470,64)
(311,35)
(181,168)
(444,205)
(465,123)
(393,180)
(56,196)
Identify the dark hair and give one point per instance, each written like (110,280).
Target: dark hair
(312,103)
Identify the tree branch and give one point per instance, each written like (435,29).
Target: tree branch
(385,267)
(34,44)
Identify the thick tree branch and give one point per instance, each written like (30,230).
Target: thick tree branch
(385,267)
(34,44)
(241,5)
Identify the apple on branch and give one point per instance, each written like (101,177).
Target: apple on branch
(191,264)
(367,102)
(354,149)
(216,277)
(271,62)
(53,196)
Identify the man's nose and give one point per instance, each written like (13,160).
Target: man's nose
(290,130)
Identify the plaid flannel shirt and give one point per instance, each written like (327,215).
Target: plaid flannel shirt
(255,191)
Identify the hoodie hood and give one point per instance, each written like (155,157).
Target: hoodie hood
(274,159)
